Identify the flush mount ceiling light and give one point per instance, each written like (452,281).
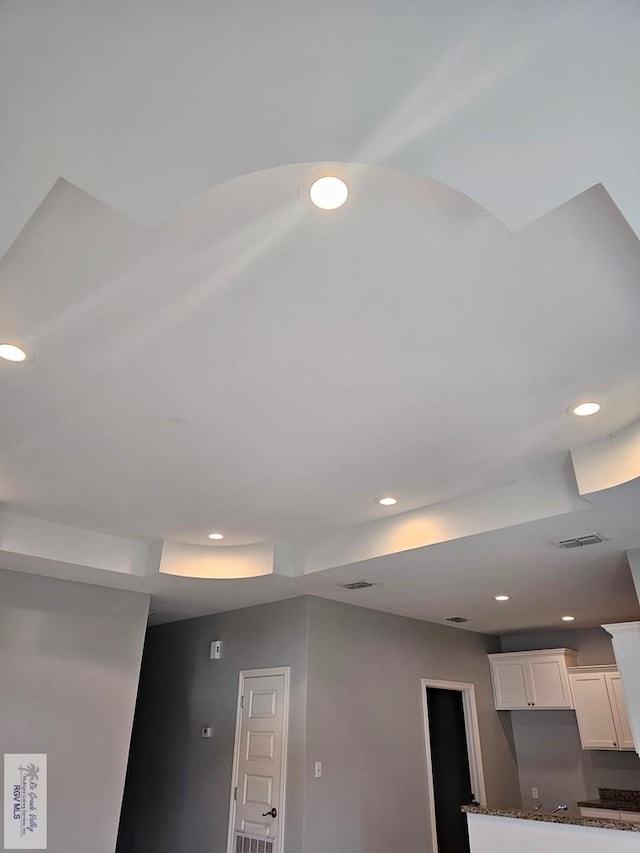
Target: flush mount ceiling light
(216,536)
(328,193)
(502,597)
(387,501)
(10,352)
(584,410)
(568,618)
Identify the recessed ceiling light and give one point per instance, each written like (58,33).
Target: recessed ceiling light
(502,597)
(568,618)
(583,410)
(328,193)
(387,501)
(10,352)
(216,536)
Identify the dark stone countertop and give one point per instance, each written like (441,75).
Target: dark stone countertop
(613,805)
(555,818)
(616,799)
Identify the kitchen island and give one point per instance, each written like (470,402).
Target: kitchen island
(509,830)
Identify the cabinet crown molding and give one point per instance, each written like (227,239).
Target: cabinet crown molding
(620,627)
(601,667)
(537,652)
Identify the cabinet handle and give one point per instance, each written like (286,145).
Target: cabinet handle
(614,743)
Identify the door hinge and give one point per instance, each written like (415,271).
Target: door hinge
(235,793)
(242,703)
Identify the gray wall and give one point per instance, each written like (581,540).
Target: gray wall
(550,756)
(364,722)
(177,795)
(593,645)
(69,664)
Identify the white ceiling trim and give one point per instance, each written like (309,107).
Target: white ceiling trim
(549,495)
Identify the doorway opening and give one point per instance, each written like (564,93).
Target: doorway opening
(454,761)
(258,784)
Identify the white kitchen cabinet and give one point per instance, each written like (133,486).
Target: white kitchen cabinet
(535,680)
(626,646)
(608,814)
(601,711)
(620,712)
(600,814)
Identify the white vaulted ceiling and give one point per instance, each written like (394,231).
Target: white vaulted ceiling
(211,352)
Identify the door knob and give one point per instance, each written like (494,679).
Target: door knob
(273,813)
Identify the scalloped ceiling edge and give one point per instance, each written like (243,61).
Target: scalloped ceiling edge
(194,199)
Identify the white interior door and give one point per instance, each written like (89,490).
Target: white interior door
(257,804)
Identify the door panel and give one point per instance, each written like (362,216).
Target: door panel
(260,756)
(510,684)
(630,817)
(549,683)
(619,708)
(450,768)
(593,711)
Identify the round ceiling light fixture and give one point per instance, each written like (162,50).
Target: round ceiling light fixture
(329,192)
(503,597)
(584,410)
(568,618)
(10,352)
(387,501)
(216,536)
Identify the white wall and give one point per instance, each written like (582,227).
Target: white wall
(69,664)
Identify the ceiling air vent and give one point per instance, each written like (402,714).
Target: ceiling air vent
(357,585)
(456,619)
(580,541)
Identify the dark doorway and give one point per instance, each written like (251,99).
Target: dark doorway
(450,767)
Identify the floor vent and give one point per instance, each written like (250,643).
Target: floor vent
(580,541)
(357,585)
(253,844)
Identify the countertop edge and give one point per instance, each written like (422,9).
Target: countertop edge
(570,820)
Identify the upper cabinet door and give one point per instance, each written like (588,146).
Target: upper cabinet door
(510,684)
(619,709)
(593,711)
(549,682)
(532,680)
